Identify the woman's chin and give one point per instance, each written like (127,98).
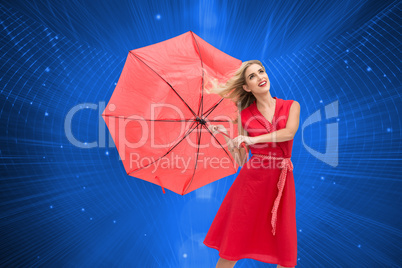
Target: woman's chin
(262,90)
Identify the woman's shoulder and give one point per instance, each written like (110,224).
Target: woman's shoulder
(287,105)
(246,114)
(288,102)
(246,111)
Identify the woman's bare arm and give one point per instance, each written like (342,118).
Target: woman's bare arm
(280,135)
(286,133)
(241,154)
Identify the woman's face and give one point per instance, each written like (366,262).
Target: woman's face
(257,80)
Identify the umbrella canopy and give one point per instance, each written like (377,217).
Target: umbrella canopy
(159,112)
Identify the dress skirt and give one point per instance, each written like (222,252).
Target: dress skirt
(242,226)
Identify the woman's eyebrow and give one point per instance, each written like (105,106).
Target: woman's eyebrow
(253,73)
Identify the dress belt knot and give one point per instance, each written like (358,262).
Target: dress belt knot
(285,166)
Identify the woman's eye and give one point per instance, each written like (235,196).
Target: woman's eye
(261,71)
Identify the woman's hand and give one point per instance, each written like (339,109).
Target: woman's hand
(217,128)
(240,139)
(220,128)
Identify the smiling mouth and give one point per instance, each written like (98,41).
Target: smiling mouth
(262,84)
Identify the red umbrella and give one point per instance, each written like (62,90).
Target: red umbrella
(158,114)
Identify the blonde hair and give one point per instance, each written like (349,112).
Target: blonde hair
(233,88)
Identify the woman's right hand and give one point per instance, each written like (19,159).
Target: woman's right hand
(217,128)
(220,128)
(241,138)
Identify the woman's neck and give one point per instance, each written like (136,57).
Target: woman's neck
(265,101)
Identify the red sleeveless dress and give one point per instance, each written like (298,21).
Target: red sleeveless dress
(257,218)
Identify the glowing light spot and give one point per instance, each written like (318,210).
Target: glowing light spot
(47,69)
(389,129)
(158,16)
(46,113)
(111,107)
(368,69)
(185,255)
(51,206)
(83,209)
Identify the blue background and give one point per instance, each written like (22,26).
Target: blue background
(64,206)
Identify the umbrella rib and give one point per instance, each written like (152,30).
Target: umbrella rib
(198,150)
(201,101)
(188,133)
(219,143)
(155,120)
(210,110)
(196,160)
(214,120)
(166,83)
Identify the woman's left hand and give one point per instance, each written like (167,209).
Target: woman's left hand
(240,139)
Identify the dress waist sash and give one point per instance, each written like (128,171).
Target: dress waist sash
(286,165)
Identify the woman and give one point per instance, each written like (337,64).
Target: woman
(257,218)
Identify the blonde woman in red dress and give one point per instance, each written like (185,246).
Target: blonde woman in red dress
(257,218)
